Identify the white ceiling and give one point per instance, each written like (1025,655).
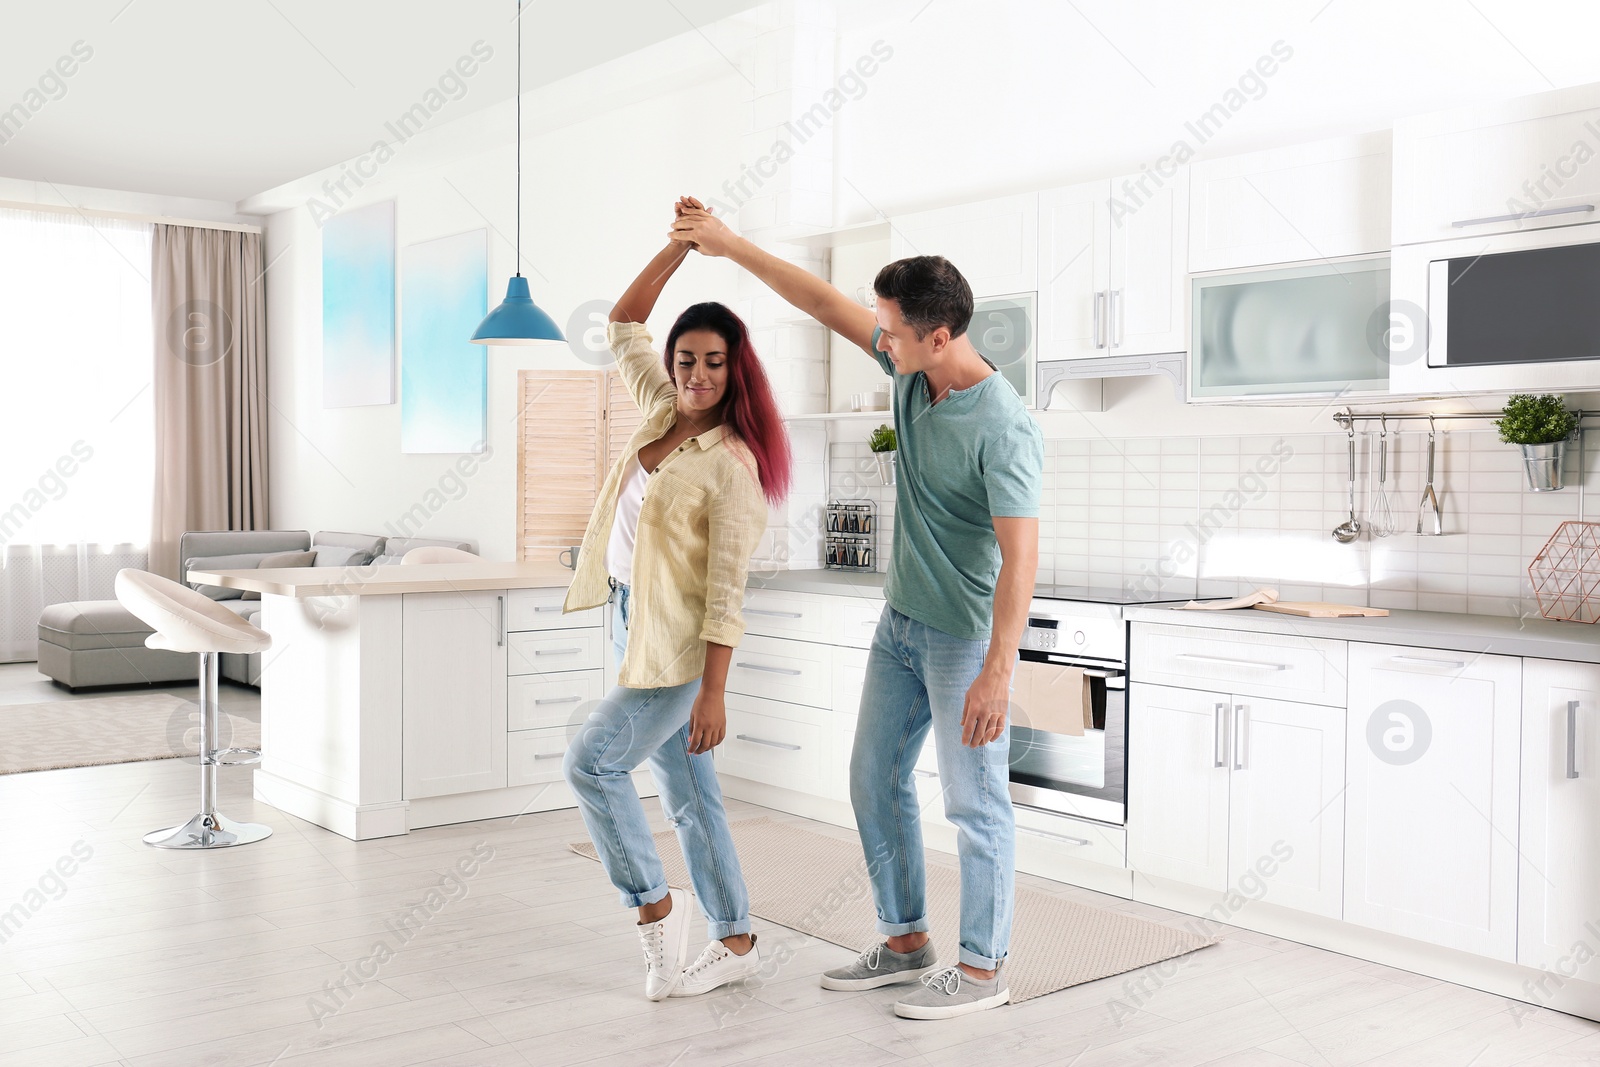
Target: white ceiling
(216,100)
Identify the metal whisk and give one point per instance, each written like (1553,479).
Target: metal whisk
(1382,515)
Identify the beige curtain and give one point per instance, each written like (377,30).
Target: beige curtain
(210,386)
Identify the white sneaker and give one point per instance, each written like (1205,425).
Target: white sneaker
(716,967)
(666,948)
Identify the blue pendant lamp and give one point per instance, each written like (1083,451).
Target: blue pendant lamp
(518,320)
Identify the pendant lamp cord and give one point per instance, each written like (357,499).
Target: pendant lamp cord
(519,138)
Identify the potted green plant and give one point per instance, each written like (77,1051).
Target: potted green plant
(882,442)
(1541,425)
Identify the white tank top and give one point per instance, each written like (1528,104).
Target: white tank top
(625,525)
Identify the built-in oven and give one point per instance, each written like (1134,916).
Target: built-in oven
(1072,765)
(1509,312)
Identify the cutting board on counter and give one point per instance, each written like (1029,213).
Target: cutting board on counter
(1319,609)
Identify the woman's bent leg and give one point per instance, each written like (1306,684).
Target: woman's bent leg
(620,734)
(692,801)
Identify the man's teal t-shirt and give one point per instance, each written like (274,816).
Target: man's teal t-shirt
(974,455)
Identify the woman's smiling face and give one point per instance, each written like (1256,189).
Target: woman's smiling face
(700,369)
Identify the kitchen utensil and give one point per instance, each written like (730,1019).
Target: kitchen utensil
(1318,609)
(1350,529)
(1382,511)
(1430,499)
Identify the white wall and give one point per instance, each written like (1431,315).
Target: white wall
(597,203)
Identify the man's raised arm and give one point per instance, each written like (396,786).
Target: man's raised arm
(809,294)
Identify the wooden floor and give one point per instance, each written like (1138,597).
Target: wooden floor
(308,949)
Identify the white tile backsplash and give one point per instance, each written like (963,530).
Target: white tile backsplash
(1217,516)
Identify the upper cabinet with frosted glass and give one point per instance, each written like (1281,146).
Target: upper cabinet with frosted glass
(1289,290)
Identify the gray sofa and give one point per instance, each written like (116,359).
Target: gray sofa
(92,643)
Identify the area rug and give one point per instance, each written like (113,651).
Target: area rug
(127,728)
(818,886)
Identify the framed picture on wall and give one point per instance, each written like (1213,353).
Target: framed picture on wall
(358,324)
(444,377)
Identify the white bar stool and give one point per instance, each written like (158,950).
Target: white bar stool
(440,554)
(187,621)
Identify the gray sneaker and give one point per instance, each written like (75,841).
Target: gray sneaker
(881,965)
(951,992)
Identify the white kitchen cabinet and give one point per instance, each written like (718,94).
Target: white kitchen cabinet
(993,243)
(1559,886)
(1315,201)
(1228,791)
(798,672)
(1431,807)
(453,707)
(1282,666)
(775,743)
(1480,170)
(1178,784)
(1074,270)
(1112,267)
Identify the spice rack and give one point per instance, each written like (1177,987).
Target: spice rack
(850,536)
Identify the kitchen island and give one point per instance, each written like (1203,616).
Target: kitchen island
(398,697)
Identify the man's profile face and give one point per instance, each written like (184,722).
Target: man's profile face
(900,341)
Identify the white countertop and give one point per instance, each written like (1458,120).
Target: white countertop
(1502,635)
(389,580)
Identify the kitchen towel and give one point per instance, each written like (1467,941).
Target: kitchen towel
(1052,698)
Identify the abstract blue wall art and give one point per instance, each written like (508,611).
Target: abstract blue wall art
(444,377)
(358,307)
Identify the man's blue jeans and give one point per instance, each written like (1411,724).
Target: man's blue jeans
(917,678)
(630,726)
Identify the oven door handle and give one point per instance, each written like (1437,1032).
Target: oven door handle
(1054,837)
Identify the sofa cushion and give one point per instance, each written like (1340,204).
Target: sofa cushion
(87,624)
(340,556)
(244,561)
(248,610)
(281,559)
(365,546)
(395,548)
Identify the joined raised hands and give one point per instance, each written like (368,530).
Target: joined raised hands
(694,225)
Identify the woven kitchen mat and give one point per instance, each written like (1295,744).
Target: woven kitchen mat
(818,885)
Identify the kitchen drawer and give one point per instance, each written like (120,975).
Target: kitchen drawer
(552,651)
(770,613)
(776,743)
(540,701)
(855,621)
(798,672)
(534,756)
(540,609)
(1306,669)
(1070,838)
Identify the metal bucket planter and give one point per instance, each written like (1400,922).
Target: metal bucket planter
(1543,463)
(885,467)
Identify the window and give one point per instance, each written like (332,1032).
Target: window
(76,415)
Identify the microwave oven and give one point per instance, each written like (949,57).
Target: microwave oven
(1506,313)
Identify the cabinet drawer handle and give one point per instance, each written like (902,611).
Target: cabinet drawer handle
(769,744)
(1114,317)
(1219,733)
(548,755)
(1428,662)
(769,670)
(776,614)
(546,607)
(1099,302)
(1054,837)
(556,700)
(556,651)
(920,773)
(500,637)
(1517,216)
(1572,739)
(1257,664)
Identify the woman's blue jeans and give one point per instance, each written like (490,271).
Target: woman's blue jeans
(628,727)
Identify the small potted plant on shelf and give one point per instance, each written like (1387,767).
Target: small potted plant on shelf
(882,442)
(1541,425)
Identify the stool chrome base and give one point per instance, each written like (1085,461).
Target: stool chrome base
(210,828)
(208,831)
